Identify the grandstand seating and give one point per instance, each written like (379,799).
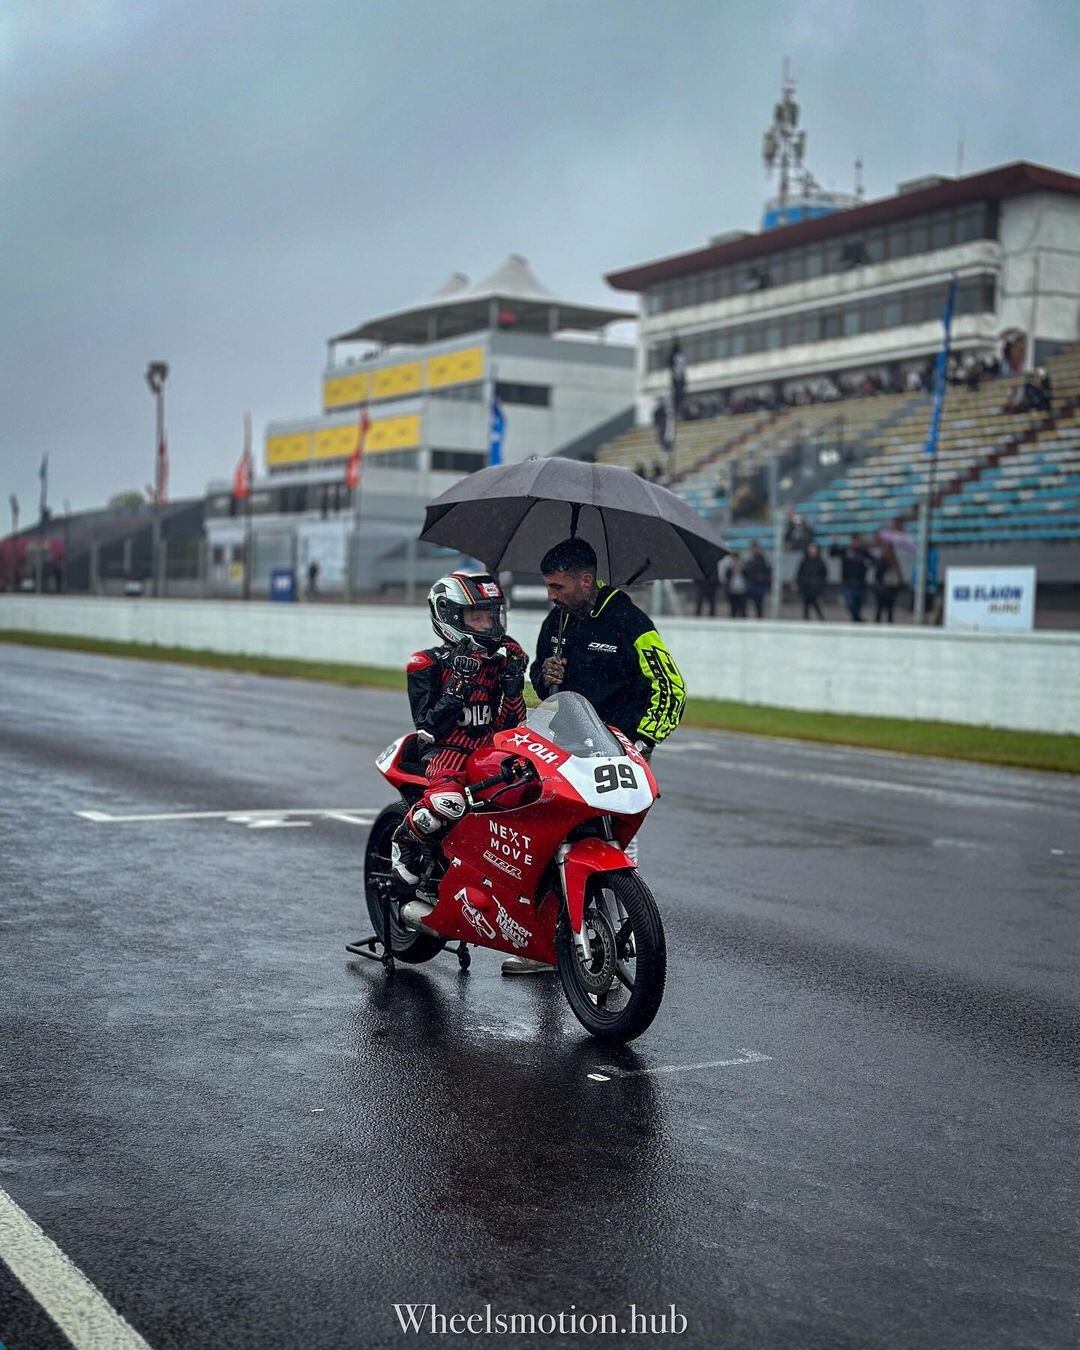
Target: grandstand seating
(999,477)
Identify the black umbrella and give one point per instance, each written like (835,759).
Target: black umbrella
(509,515)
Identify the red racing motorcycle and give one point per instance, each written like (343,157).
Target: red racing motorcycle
(536,867)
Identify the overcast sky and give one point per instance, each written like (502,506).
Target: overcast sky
(225,185)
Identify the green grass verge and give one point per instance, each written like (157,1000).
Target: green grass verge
(947,740)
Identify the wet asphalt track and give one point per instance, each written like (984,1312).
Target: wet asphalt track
(244,1140)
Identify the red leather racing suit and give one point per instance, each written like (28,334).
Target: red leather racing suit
(455,716)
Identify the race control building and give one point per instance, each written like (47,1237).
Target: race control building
(861,291)
(426,376)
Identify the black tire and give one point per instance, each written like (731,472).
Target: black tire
(407,944)
(627,941)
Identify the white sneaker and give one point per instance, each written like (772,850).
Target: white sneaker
(521,965)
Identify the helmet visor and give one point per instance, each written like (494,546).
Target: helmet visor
(486,622)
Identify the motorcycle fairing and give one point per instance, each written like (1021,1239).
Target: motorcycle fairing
(586,857)
(472,912)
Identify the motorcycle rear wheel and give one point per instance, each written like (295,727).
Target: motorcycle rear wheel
(407,944)
(615,995)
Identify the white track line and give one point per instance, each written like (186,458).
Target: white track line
(56,1283)
(351,815)
(745,1057)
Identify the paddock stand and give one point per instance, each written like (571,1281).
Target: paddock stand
(366,947)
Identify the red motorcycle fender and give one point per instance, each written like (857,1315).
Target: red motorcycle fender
(587,856)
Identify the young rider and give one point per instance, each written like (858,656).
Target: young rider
(461,692)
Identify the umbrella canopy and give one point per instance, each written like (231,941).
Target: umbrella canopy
(509,515)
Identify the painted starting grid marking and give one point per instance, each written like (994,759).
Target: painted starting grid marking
(299,817)
(608,1071)
(81,1312)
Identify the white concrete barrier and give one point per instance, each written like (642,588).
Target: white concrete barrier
(1022,681)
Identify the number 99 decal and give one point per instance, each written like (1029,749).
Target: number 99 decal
(610,777)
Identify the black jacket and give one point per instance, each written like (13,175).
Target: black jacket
(855,561)
(618,661)
(812,575)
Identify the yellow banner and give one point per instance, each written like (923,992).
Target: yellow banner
(464,367)
(335,442)
(394,433)
(294,449)
(396,381)
(343,390)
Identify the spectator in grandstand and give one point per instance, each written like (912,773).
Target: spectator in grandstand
(914,381)
(991,366)
(312,579)
(1028,396)
(758,578)
(888,580)
(972,372)
(810,579)
(797,532)
(855,561)
(1045,390)
(677,366)
(735,585)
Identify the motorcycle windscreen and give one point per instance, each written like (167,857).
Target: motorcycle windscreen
(600,771)
(571,722)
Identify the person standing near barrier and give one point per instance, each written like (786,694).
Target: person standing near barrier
(887,582)
(810,579)
(735,585)
(855,561)
(758,578)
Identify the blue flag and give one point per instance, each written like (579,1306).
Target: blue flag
(942,369)
(496,431)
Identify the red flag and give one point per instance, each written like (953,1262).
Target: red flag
(242,476)
(162,486)
(352,464)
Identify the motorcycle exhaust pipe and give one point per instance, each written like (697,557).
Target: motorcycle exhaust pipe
(414,912)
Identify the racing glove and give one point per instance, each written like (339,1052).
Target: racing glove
(514,664)
(464,668)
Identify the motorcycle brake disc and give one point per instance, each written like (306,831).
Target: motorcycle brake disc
(596,977)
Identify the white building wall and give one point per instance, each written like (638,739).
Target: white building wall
(1028,682)
(1040,285)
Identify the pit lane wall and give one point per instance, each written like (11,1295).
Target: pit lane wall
(1023,681)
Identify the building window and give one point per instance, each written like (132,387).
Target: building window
(874,246)
(915,306)
(941,229)
(458,461)
(970,224)
(532,395)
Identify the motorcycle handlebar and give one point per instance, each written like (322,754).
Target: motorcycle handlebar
(511,770)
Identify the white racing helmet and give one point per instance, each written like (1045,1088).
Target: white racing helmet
(453,595)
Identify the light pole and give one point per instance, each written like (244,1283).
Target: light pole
(13,502)
(156,374)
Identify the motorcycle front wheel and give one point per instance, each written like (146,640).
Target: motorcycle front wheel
(406,944)
(616,993)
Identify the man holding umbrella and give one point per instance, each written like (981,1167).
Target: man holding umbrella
(598,643)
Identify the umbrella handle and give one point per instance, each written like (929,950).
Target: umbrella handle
(557,645)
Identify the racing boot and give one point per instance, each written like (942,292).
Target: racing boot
(411,856)
(521,965)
